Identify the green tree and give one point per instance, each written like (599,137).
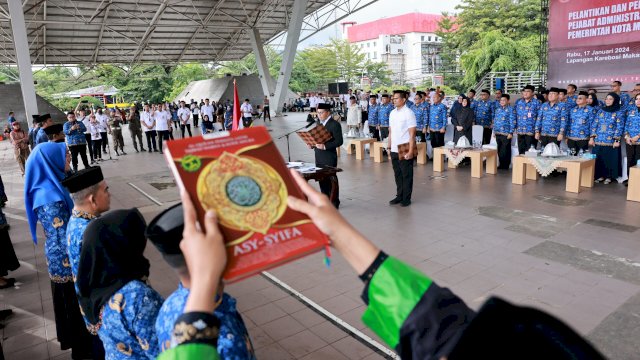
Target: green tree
(378,73)
(248,64)
(497,52)
(183,74)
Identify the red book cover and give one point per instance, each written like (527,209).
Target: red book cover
(243,177)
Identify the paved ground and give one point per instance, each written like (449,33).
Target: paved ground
(537,245)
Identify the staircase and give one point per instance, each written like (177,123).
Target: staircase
(514,81)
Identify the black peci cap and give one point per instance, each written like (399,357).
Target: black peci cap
(83,179)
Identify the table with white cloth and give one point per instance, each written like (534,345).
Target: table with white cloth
(456,155)
(580,170)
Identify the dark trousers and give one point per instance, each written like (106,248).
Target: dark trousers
(136,134)
(419,133)
(188,126)
(105,141)
(544,140)
(266,113)
(97,154)
(633,155)
(89,144)
(151,140)
(325,188)
(403,173)
(195,121)
(375,132)
(384,132)
(525,142)
(246,121)
(162,135)
(437,139)
(486,135)
(578,145)
(504,151)
(79,150)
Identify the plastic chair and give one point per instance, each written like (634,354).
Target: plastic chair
(476,133)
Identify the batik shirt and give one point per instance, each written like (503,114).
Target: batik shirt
(40,137)
(484,113)
(75,137)
(607,127)
(75,233)
(127,323)
(571,102)
(437,117)
(373,114)
(632,123)
(579,123)
(421,112)
(552,119)
(54,218)
(233,342)
(526,116)
(625,101)
(504,121)
(383,114)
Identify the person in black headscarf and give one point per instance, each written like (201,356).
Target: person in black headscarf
(606,132)
(456,106)
(593,102)
(112,288)
(463,121)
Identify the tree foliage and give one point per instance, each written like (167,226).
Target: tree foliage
(489,35)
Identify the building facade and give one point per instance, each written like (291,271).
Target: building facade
(408,44)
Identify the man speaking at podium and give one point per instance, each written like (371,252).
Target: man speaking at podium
(326,153)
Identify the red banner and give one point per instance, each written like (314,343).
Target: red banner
(592,43)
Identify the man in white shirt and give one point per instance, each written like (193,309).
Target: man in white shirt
(103,120)
(195,109)
(208,110)
(402,131)
(247,113)
(80,116)
(149,127)
(163,124)
(184,117)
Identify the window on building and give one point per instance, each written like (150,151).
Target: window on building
(375,54)
(374,43)
(422,38)
(429,38)
(388,48)
(368,44)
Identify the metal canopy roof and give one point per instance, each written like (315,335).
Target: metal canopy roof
(158,31)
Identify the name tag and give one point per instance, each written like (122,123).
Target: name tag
(529,114)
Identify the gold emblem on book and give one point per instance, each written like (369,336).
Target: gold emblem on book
(246,193)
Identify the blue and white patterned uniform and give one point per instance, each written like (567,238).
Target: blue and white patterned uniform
(484,113)
(526,116)
(75,137)
(504,121)
(607,127)
(54,218)
(570,103)
(383,114)
(579,123)
(632,123)
(421,112)
(552,119)
(373,114)
(437,117)
(127,323)
(233,342)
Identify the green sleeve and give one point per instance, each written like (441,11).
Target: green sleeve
(394,290)
(190,352)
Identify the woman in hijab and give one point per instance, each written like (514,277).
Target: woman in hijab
(48,202)
(606,132)
(463,121)
(632,133)
(112,288)
(593,102)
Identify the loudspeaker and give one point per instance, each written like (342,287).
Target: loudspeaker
(338,88)
(333,88)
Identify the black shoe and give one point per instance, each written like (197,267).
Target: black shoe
(142,149)
(9,284)
(5,314)
(155,150)
(137,151)
(405,203)
(124,153)
(161,152)
(395,201)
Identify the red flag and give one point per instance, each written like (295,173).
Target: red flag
(237,116)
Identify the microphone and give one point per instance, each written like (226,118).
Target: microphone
(310,125)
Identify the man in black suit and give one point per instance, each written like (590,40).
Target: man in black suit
(326,153)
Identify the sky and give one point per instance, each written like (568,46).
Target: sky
(382,9)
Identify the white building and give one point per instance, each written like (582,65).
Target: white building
(407,43)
